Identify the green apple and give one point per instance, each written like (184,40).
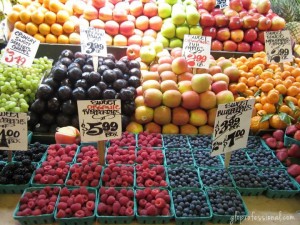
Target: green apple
(192,15)
(168,30)
(171,2)
(162,39)
(164,10)
(157,45)
(175,42)
(147,54)
(190,2)
(196,30)
(167,20)
(178,16)
(181,30)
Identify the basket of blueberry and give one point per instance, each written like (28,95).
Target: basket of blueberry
(280,183)
(204,159)
(254,142)
(248,180)
(216,177)
(264,158)
(200,141)
(227,205)
(191,206)
(239,158)
(183,177)
(175,141)
(15,176)
(115,205)
(36,205)
(179,157)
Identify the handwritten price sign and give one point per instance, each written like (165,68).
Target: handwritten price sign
(232,126)
(20,50)
(278,46)
(221,4)
(99,119)
(13,131)
(196,50)
(93,41)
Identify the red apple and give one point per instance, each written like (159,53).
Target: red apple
(235,22)
(257,46)
(261,36)
(155,23)
(111,27)
(243,13)
(263,6)
(223,34)
(229,45)
(237,35)
(216,45)
(127,28)
(133,51)
(243,47)
(150,9)
(246,4)
(264,23)
(250,35)
(209,5)
(136,8)
(236,5)
(230,12)
(210,31)
(202,11)
(221,20)
(67,135)
(278,23)
(216,11)
(98,3)
(249,22)
(207,20)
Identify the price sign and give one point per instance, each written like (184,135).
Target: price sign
(13,131)
(99,119)
(196,50)
(221,4)
(278,46)
(93,41)
(232,125)
(20,50)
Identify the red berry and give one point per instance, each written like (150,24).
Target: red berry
(151,211)
(116,207)
(75,207)
(61,214)
(129,212)
(160,203)
(101,208)
(62,205)
(79,213)
(90,205)
(123,200)
(110,200)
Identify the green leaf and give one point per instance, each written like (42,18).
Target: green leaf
(280,102)
(266,117)
(257,93)
(285,118)
(242,94)
(291,105)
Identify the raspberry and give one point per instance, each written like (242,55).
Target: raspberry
(130,194)
(50,209)
(91,197)
(123,191)
(149,183)
(165,211)
(64,191)
(160,203)
(160,169)
(101,208)
(130,204)
(36,212)
(140,194)
(77,183)
(110,200)
(123,200)
(155,192)
(61,214)
(105,178)
(31,204)
(75,207)
(103,197)
(70,201)
(142,202)
(90,205)
(129,212)
(149,198)
(70,183)
(116,207)
(62,205)
(111,191)
(94,183)
(79,213)
(151,211)
(122,211)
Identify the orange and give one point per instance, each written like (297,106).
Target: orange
(248,92)
(259,82)
(269,108)
(295,72)
(291,99)
(56,29)
(281,88)
(298,79)
(243,80)
(297,84)
(50,38)
(244,68)
(25,16)
(277,123)
(257,70)
(285,109)
(291,78)
(273,97)
(256,124)
(44,28)
(261,112)
(287,83)
(238,99)
(31,28)
(254,89)
(50,17)
(266,87)
(299,102)
(62,16)
(13,16)
(25,3)
(270,80)
(68,27)
(278,81)
(18,8)
(251,81)
(63,39)
(55,6)
(40,37)
(263,100)
(258,106)
(37,17)
(293,91)
(21,26)
(285,74)
(233,88)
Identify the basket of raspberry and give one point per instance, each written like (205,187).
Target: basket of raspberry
(87,151)
(36,205)
(84,174)
(248,180)
(62,152)
(191,206)
(150,176)
(35,153)
(280,183)
(127,139)
(150,155)
(153,206)
(146,139)
(215,177)
(76,206)
(227,205)
(115,175)
(179,157)
(15,176)
(175,141)
(115,205)
(118,155)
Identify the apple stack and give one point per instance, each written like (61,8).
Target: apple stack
(180,17)
(240,26)
(173,100)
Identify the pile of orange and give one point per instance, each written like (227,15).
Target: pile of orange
(275,87)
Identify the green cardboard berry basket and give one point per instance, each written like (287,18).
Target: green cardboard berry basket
(221,186)
(289,141)
(154,149)
(155,219)
(172,135)
(248,191)
(29,136)
(2,163)
(217,218)
(95,144)
(271,193)
(176,149)
(64,145)
(135,154)
(207,151)
(34,220)
(198,136)
(133,184)
(69,174)
(104,219)
(88,220)
(191,220)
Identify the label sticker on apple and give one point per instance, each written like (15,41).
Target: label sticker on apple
(221,4)
(232,126)
(196,50)
(278,46)
(99,119)
(13,131)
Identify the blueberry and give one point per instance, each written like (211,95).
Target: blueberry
(175,141)
(179,157)
(215,177)
(247,177)
(203,159)
(200,141)
(178,177)
(239,158)
(254,142)
(263,158)
(278,179)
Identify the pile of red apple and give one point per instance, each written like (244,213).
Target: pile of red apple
(240,26)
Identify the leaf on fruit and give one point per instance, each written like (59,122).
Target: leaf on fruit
(257,93)
(242,95)
(291,105)
(285,118)
(266,117)
(280,102)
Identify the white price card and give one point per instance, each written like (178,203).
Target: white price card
(196,50)
(20,50)
(99,119)
(278,46)
(232,126)
(13,131)
(93,41)
(221,4)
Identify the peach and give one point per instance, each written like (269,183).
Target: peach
(170,129)
(152,97)
(220,76)
(111,27)
(142,23)
(168,75)
(201,82)
(224,97)
(151,33)
(150,9)
(150,84)
(211,116)
(147,40)
(208,100)
(152,128)
(164,67)
(143,114)
(219,86)
(224,63)
(108,39)
(180,116)
(162,115)
(149,75)
(134,39)
(94,23)
(184,86)
(90,13)
(188,129)
(171,98)
(105,14)
(155,23)
(233,73)
(136,8)
(168,85)
(214,69)
(198,117)
(190,100)
(179,65)
(127,28)
(119,40)
(206,130)
(119,15)
(139,101)
(165,59)
(185,76)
